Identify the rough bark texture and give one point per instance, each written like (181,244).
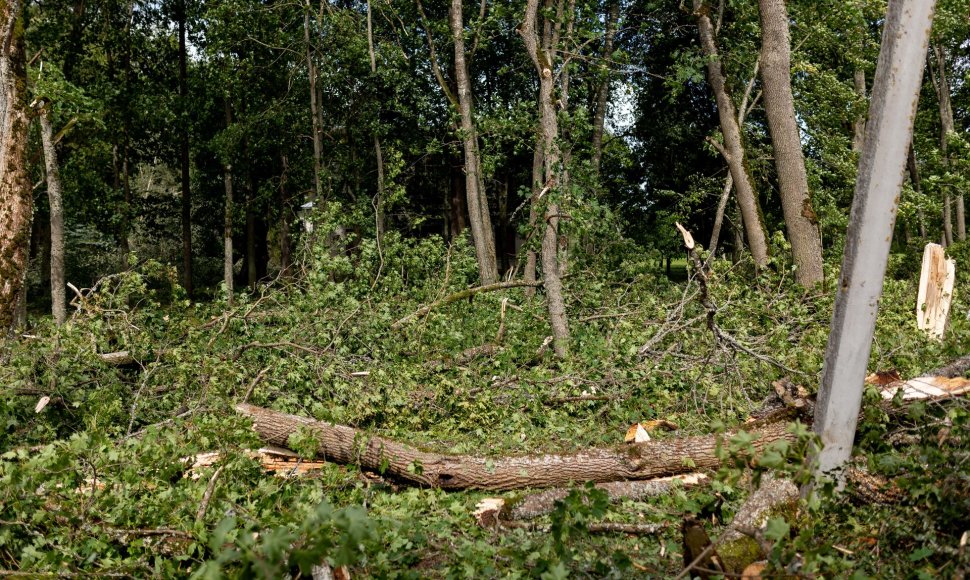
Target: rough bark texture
(796,202)
(603,91)
(859,126)
(15,188)
(478,214)
(54,196)
(747,199)
(639,461)
(542,57)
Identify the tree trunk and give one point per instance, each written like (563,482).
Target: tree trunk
(796,201)
(316,127)
(378,151)
(543,59)
(895,92)
(184,152)
(638,461)
(603,91)
(942,86)
(531,257)
(859,126)
(719,216)
(15,187)
(747,199)
(227,261)
(478,214)
(284,225)
(55,196)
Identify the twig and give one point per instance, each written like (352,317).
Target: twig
(252,385)
(207,496)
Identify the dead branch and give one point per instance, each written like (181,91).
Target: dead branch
(466,293)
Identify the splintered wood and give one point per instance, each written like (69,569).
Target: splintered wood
(935,291)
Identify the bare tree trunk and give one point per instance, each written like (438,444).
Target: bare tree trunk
(15,188)
(184,152)
(914,178)
(638,461)
(314,110)
(478,214)
(603,91)
(284,233)
(719,216)
(378,152)
(895,93)
(859,126)
(531,258)
(942,86)
(54,195)
(543,59)
(227,261)
(733,149)
(796,202)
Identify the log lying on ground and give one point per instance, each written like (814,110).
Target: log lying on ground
(639,461)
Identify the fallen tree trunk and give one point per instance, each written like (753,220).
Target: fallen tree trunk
(638,461)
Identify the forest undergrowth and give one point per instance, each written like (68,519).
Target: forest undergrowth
(96,482)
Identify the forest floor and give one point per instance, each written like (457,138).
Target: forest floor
(97,480)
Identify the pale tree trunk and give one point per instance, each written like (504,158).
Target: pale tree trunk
(543,59)
(227,261)
(478,214)
(796,202)
(733,149)
(184,152)
(895,93)
(15,188)
(603,91)
(942,86)
(859,126)
(317,193)
(378,151)
(54,195)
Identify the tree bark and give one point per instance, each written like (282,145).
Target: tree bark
(543,59)
(55,197)
(478,214)
(15,187)
(227,257)
(531,257)
(796,202)
(859,126)
(640,461)
(378,151)
(317,193)
(747,199)
(184,151)
(603,91)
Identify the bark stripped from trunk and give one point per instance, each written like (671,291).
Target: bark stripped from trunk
(479,218)
(747,199)
(543,59)
(796,203)
(639,461)
(15,188)
(54,195)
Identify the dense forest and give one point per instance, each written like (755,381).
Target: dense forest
(412,288)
